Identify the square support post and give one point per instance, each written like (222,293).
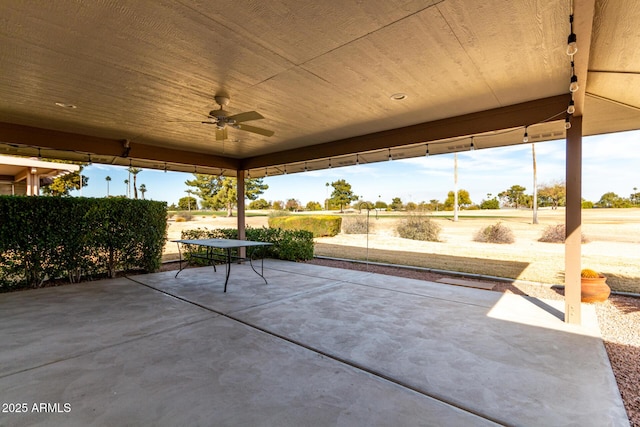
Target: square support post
(241,214)
(573,223)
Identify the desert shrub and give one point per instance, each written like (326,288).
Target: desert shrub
(419,227)
(356,225)
(184,216)
(556,234)
(319,225)
(589,273)
(497,233)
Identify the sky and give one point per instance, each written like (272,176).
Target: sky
(610,163)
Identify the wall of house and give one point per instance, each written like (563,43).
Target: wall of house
(8,188)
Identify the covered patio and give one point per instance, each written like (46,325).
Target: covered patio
(316,346)
(332,83)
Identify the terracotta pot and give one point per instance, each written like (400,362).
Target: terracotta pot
(594,289)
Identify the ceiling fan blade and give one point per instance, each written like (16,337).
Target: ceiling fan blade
(221,134)
(245,117)
(254,129)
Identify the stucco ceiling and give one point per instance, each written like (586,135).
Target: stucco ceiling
(321,73)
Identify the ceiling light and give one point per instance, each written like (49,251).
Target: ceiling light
(357,159)
(426,154)
(572,107)
(526,136)
(65,105)
(390,157)
(398,96)
(471,146)
(567,122)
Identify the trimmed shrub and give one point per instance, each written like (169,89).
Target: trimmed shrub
(556,234)
(419,227)
(45,238)
(319,225)
(356,225)
(496,233)
(290,245)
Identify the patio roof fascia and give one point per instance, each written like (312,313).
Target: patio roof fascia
(513,116)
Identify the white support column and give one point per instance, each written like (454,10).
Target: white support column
(241,214)
(573,222)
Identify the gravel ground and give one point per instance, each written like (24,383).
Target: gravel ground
(619,319)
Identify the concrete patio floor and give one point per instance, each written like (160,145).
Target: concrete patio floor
(317,346)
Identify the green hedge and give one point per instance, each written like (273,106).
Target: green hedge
(291,245)
(319,225)
(55,237)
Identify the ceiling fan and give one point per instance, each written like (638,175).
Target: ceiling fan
(221,119)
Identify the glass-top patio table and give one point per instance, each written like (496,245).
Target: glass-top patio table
(209,250)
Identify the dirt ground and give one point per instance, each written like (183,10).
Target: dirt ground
(613,248)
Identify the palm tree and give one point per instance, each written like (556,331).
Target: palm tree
(126,182)
(108,179)
(134,171)
(143,189)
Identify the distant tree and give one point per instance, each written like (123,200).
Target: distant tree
(612,200)
(342,194)
(553,194)
(218,192)
(134,171)
(463,200)
(635,197)
(278,205)
(492,203)
(514,196)
(411,206)
(313,206)
(143,189)
(108,179)
(259,204)
(396,204)
(434,205)
(187,203)
(62,185)
(126,183)
(293,205)
(380,205)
